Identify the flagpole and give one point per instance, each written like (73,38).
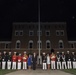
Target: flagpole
(39,25)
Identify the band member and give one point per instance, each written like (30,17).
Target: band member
(63,61)
(19,61)
(14,60)
(25,58)
(44,58)
(9,61)
(68,60)
(53,59)
(48,61)
(0,60)
(34,61)
(4,60)
(58,61)
(73,56)
(29,61)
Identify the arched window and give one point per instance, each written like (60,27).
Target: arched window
(30,44)
(61,44)
(18,44)
(48,45)
(38,44)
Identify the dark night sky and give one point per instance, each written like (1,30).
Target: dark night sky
(27,11)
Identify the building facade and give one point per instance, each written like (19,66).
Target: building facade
(25,37)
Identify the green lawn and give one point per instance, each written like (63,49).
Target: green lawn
(3,72)
(72,71)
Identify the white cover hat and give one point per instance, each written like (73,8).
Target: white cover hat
(9,52)
(57,52)
(67,51)
(24,51)
(62,52)
(15,52)
(72,52)
(4,51)
(43,52)
(19,53)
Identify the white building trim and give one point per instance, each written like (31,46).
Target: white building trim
(5,42)
(71,41)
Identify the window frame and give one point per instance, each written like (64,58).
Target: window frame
(72,44)
(61,31)
(48,41)
(57,31)
(20,31)
(18,41)
(31,41)
(38,33)
(6,44)
(15,32)
(30,32)
(46,32)
(61,41)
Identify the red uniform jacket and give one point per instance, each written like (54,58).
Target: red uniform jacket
(19,58)
(25,58)
(53,57)
(14,58)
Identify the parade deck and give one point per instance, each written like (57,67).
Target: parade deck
(39,72)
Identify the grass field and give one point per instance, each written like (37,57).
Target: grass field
(72,71)
(3,72)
